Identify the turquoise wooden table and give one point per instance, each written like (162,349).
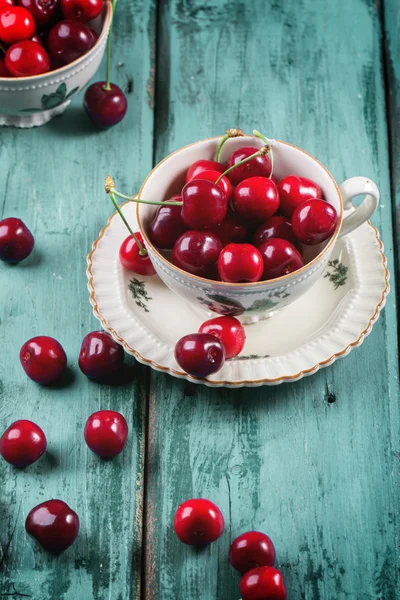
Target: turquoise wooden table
(315,464)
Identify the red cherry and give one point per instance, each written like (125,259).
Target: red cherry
(42,11)
(53,524)
(263,583)
(16,24)
(200,354)
(294,190)
(204,204)
(197,252)
(68,40)
(131,259)
(251,549)
(231,229)
(167,225)
(6,4)
(23,443)
(81,10)
(314,221)
(280,258)
(100,358)
(274,227)
(224,183)
(106,432)
(43,359)
(16,241)
(203,165)
(105,107)
(229,330)
(240,263)
(3,69)
(256,199)
(198,522)
(259,166)
(27,58)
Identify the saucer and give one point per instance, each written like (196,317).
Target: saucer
(324,324)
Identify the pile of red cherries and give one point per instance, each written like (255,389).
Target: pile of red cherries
(199,522)
(38,36)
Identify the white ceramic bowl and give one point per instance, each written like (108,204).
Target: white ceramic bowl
(252,301)
(33,101)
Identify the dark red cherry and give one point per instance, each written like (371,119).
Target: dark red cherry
(204,204)
(105,107)
(131,259)
(100,358)
(251,549)
(200,354)
(43,359)
(259,166)
(16,241)
(274,227)
(256,199)
(23,443)
(106,432)
(53,524)
(231,229)
(3,68)
(294,190)
(27,58)
(314,221)
(68,40)
(42,11)
(81,10)
(197,252)
(167,225)
(212,176)
(229,330)
(263,583)
(280,258)
(198,522)
(16,24)
(203,165)
(240,263)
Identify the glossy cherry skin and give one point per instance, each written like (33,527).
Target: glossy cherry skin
(3,68)
(23,443)
(280,258)
(203,165)
(197,252)
(53,524)
(81,10)
(229,330)
(256,199)
(130,258)
(43,359)
(212,176)
(314,221)
(198,522)
(43,11)
(200,354)
(294,190)
(231,229)
(100,357)
(240,263)
(251,549)
(16,241)
(274,227)
(106,432)
(263,583)
(260,166)
(167,225)
(105,107)
(6,4)
(16,24)
(27,58)
(204,204)
(68,40)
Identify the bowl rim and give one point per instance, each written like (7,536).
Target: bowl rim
(248,285)
(108,9)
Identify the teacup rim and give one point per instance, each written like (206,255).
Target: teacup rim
(246,285)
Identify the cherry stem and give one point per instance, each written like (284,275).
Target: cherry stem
(229,134)
(2,48)
(107,87)
(262,152)
(140,201)
(268,143)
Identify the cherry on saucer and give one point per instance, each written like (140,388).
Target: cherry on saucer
(229,330)
(200,354)
(131,258)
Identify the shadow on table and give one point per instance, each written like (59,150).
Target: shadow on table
(73,122)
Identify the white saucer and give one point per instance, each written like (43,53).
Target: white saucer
(325,324)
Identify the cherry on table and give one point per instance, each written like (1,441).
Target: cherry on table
(68,40)
(274,227)
(16,24)
(131,259)
(106,107)
(314,221)
(263,583)
(200,166)
(280,258)
(81,10)
(197,252)
(257,166)
(240,263)
(27,58)
(106,432)
(200,354)
(16,241)
(167,225)
(204,204)
(198,522)
(294,190)
(250,550)
(231,229)
(43,359)
(23,443)
(212,176)
(43,11)
(256,199)
(100,357)
(229,330)
(53,524)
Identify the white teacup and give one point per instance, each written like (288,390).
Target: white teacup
(252,301)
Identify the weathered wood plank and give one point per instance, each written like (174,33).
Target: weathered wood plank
(52,177)
(314,464)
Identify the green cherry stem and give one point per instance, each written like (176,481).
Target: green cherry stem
(262,152)
(107,87)
(140,201)
(268,143)
(229,134)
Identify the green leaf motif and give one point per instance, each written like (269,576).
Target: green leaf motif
(139,294)
(250,357)
(339,274)
(54,99)
(222,305)
(72,92)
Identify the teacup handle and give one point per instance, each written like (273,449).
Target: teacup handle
(353,187)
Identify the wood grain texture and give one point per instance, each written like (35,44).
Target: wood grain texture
(52,177)
(314,464)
